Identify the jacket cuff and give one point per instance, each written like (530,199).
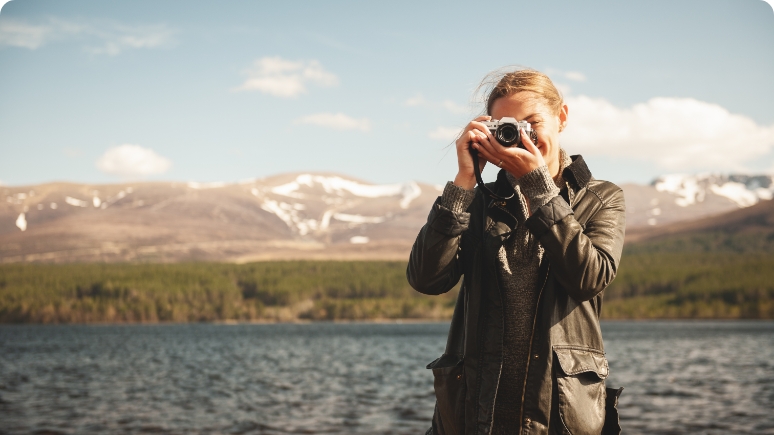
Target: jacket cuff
(548,215)
(444,221)
(538,187)
(456,198)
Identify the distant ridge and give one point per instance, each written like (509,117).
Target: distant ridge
(753,219)
(288,216)
(293,216)
(680,197)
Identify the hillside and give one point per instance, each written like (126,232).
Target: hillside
(716,267)
(284,217)
(287,217)
(745,230)
(719,267)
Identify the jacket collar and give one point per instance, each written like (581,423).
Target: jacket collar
(577,172)
(505,212)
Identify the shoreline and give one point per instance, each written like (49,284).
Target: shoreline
(371,322)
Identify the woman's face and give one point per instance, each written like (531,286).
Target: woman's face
(527,106)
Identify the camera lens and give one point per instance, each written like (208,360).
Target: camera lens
(507,134)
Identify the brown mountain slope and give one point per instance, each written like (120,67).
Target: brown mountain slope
(756,219)
(288,216)
(321,216)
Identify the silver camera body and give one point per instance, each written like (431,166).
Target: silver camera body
(507,131)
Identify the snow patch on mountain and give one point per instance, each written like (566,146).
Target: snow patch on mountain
(338,186)
(75,202)
(21,222)
(309,204)
(744,190)
(358,219)
(289,213)
(210,185)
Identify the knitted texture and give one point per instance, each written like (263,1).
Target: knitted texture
(519,264)
(564,161)
(456,198)
(537,186)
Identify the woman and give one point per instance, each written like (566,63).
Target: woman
(525,352)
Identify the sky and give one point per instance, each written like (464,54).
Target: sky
(104,92)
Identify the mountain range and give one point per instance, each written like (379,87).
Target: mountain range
(294,216)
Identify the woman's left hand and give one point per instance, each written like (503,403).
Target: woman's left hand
(513,159)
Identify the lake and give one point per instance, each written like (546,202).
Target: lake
(349,378)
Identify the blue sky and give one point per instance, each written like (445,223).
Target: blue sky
(96,92)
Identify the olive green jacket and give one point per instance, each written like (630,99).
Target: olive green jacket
(582,232)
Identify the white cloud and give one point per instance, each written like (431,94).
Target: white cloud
(129,160)
(285,78)
(563,88)
(18,34)
(120,38)
(336,121)
(574,76)
(449,105)
(453,107)
(675,133)
(444,133)
(99,37)
(417,100)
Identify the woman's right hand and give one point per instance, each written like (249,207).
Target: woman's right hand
(475,131)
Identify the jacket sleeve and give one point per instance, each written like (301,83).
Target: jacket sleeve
(584,261)
(434,265)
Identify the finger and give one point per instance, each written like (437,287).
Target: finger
(478,136)
(528,145)
(465,140)
(478,126)
(490,144)
(477,123)
(486,154)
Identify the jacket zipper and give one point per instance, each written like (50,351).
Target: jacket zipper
(501,206)
(500,371)
(529,354)
(570,198)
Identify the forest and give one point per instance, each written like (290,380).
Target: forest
(651,283)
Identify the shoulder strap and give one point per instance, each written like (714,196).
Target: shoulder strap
(477,171)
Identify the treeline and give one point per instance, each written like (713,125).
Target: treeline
(650,284)
(194,292)
(709,285)
(719,274)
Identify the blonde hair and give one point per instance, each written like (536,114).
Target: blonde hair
(507,81)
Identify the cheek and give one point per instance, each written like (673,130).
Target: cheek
(544,138)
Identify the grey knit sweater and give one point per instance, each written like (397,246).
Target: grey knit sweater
(519,261)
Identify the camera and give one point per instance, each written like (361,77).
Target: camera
(507,131)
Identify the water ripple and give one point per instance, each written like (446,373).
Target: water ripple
(680,377)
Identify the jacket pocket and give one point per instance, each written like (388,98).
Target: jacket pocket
(580,380)
(450,388)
